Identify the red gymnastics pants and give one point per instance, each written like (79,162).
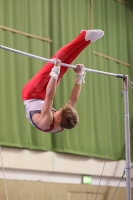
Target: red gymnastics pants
(36,87)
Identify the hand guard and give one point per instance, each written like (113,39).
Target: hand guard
(55,70)
(80,78)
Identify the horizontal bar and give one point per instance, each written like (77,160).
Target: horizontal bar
(63,64)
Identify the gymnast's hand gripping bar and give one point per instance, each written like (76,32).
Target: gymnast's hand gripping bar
(63,64)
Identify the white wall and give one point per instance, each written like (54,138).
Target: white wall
(58,167)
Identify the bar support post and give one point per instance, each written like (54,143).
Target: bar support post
(127,139)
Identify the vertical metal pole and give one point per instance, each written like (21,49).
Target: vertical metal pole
(127,139)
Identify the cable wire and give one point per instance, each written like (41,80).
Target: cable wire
(3,174)
(131,84)
(121,180)
(110,141)
(119,184)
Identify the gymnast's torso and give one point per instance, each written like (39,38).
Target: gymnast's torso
(34,106)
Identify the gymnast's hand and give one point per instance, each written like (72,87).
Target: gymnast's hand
(57,62)
(79,70)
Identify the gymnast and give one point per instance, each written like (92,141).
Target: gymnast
(39,92)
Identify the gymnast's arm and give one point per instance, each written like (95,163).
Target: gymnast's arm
(45,119)
(79,70)
(75,94)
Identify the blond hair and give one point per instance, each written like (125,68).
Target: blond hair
(69,117)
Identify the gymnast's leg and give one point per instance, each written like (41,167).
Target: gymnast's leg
(36,87)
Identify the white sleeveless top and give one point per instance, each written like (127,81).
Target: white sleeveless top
(31,105)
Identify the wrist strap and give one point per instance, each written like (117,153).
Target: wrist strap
(80,78)
(55,72)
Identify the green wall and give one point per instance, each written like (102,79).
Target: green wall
(100,107)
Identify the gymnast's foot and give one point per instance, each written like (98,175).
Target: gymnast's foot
(93,35)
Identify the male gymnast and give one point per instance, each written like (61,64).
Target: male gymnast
(39,92)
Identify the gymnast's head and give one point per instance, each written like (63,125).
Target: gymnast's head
(69,117)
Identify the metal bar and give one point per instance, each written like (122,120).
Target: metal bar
(127,140)
(63,64)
